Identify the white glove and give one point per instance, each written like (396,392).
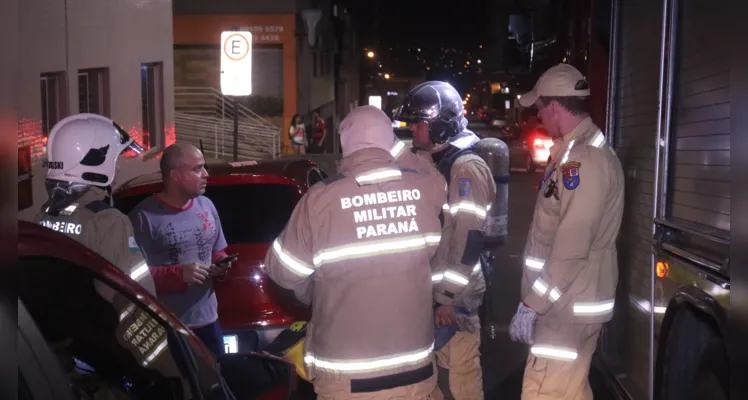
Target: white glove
(522,327)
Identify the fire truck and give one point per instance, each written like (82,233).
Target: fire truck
(667,116)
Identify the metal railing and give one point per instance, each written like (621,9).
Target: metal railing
(203,113)
(217,135)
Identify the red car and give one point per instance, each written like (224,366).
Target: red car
(254,201)
(73,345)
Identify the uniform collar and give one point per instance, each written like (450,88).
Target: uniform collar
(366,160)
(585,128)
(94,193)
(583,131)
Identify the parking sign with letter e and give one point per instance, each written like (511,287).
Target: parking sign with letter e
(236,63)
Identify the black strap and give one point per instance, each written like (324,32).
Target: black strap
(98,206)
(445,159)
(392,381)
(503,179)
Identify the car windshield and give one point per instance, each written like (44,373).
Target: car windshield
(404,133)
(250,213)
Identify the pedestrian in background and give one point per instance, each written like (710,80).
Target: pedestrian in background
(297,134)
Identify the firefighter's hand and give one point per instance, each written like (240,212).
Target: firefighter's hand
(522,327)
(445,316)
(194,272)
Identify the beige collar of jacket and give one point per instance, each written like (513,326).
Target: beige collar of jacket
(365,160)
(583,131)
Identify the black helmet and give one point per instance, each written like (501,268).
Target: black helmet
(437,103)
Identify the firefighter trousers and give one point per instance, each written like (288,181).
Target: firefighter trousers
(559,362)
(341,390)
(460,357)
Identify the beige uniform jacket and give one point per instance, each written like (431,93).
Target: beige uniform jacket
(458,278)
(103,229)
(570,265)
(456,281)
(357,247)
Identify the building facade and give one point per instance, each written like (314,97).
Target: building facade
(291,74)
(106,57)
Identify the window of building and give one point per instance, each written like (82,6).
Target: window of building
(152,96)
(93,91)
(53,99)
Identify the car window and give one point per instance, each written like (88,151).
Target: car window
(249,213)
(107,344)
(315,176)
(404,133)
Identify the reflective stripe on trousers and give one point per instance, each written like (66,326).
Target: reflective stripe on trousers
(369,365)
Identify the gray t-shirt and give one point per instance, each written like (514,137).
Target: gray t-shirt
(169,236)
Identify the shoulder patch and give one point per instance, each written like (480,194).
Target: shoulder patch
(464,186)
(132,244)
(332,178)
(570,172)
(98,206)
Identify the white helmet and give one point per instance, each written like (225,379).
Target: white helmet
(84,148)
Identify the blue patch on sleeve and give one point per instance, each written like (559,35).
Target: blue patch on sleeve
(570,172)
(464,187)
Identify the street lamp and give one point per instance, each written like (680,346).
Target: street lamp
(370,54)
(386,76)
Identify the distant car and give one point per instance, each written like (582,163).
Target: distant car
(254,201)
(72,344)
(530,150)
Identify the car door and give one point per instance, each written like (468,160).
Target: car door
(107,340)
(39,375)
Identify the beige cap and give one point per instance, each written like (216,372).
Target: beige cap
(563,80)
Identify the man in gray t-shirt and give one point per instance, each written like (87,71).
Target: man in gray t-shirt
(180,235)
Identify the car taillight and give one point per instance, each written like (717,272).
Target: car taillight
(538,142)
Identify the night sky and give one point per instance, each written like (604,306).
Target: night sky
(418,22)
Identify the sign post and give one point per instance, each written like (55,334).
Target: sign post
(236,72)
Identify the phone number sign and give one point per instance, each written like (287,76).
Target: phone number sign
(266,33)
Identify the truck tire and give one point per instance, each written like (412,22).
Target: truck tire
(713,374)
(695,365)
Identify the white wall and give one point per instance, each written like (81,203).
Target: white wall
(118,34)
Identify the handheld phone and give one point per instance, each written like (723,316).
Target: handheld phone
(227,259)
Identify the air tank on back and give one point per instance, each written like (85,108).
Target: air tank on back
(496,154)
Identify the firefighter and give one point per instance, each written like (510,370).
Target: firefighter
(570,267)
(357,248)
(435,114)
(82,153)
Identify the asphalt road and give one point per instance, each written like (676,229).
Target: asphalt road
(503,360)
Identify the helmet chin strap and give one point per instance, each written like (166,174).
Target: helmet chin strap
(109,199)
(61,195)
